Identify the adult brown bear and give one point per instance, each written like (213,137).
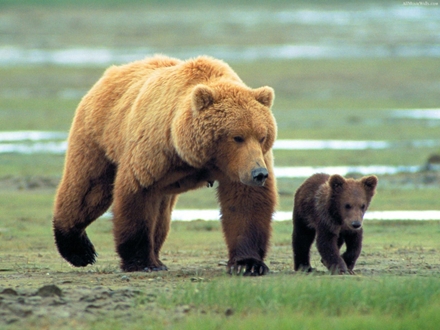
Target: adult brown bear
(331,208)
(155,128)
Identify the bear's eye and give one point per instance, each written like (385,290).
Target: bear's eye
(238,139)
(262,139)
(363,207)
(347,206)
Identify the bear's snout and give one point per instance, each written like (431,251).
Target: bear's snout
(356,224)
(259,176)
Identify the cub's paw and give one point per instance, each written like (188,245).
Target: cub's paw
(247,267)
(339,270)
(75,247)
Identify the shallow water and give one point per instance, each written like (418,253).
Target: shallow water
(213,215)
(232,34)
(418,113)
(306,171)
(350,145)
(30,141)
(31,136)
(104,57)
(34,148)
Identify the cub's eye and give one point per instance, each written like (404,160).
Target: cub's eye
(347,206)
(238,139)
(262,139)
(363,207)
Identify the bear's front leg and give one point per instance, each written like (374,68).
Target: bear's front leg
(327,244)
(302,239)
(353,242)
(246,220)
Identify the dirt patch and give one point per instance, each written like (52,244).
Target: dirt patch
(29,182)
(89,296)
(51,301)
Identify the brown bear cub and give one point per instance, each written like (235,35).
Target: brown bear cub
(331,208)
(152,129)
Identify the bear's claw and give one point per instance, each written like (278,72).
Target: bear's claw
(155,269)
(247,267)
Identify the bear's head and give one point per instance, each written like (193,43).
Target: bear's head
(350,199)
(229,126)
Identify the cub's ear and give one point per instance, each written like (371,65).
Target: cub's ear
(369,182)
(336,182)
(265,95)
(202,97)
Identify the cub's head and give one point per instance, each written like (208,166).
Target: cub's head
(229,126)
(350,199)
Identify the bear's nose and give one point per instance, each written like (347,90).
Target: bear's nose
(356,224)
(259,176)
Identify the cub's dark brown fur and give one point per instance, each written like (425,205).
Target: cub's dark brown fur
(331,209)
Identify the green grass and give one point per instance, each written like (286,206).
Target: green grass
(314,296)
(347,83)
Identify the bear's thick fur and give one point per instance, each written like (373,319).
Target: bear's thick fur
(155,128)
(331,208)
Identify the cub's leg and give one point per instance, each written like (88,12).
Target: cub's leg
(135,212)
(353,241)
(84,194)
(327,244)
(302,239)
(246,220)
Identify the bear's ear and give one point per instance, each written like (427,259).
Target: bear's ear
(202,97)
(336,182)
(265,95)
(369,182)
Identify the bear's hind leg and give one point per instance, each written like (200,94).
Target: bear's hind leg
(302,239)
(84,194)
(163,225)
(136,213)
